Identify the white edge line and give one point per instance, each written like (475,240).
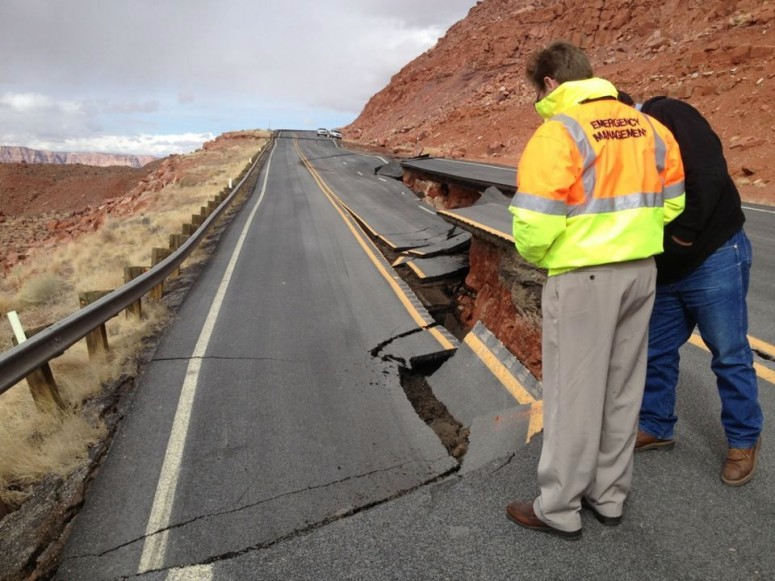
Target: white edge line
(195,573)
(758,210)
(155,545)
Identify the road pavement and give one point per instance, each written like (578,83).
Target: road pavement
(270,437)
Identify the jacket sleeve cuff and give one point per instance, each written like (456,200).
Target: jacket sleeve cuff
(682,233)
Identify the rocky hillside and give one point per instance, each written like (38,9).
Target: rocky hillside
(42,205)
(467,97)
(14,154)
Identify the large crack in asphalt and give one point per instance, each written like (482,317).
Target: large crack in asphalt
(342,514)
(451,433)
(376,352)
(261,502)
(413,379)
(763,355)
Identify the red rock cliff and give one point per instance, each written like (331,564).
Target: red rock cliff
(467,97)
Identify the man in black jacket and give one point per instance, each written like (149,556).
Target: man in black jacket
(702,281)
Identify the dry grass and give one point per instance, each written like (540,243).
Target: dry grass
(45,288)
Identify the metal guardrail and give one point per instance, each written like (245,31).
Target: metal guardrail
(21,360)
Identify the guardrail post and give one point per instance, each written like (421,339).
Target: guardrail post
(157,255)
(176,241)
(97,340)
(43,387)
(132,272)
(196,220)
(187,229)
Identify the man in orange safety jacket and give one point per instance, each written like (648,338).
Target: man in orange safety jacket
(596,184)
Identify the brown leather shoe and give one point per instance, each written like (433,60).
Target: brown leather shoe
(740,465)
(609,521)
(646,441)
(523,514)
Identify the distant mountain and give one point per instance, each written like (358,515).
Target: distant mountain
(15,154)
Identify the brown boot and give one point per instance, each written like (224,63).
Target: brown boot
(740,465)
(646,441)
(523,514)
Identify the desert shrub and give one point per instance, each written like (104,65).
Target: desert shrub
(42,444)
(41,290)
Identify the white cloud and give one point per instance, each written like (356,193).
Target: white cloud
(21,103)
(90,68)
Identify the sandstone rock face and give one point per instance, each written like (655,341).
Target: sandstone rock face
(14,154)
(506,297)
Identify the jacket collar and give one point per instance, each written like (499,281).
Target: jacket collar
(571,93)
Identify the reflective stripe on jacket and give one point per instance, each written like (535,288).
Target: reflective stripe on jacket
(596,183)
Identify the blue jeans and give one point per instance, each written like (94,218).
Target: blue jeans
(712,297)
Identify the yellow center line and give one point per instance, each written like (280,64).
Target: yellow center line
(762,346)
(493,231)
(510,383)
(499,370)
(536,420)
(337,204)
(417,270)
(765,373)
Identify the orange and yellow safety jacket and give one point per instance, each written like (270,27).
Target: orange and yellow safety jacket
(596,183)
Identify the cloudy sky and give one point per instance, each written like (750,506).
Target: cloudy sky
(163,76)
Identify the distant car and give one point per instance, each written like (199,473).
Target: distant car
(323,132)
(335,133)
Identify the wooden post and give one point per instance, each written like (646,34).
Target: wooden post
(211,206)
(97,340)
(132,272)
(203,211)
(188,229)
(196,220)
(157,255)
(43,387)
(176,241)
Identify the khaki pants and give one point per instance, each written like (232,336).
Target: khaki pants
(595,343)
